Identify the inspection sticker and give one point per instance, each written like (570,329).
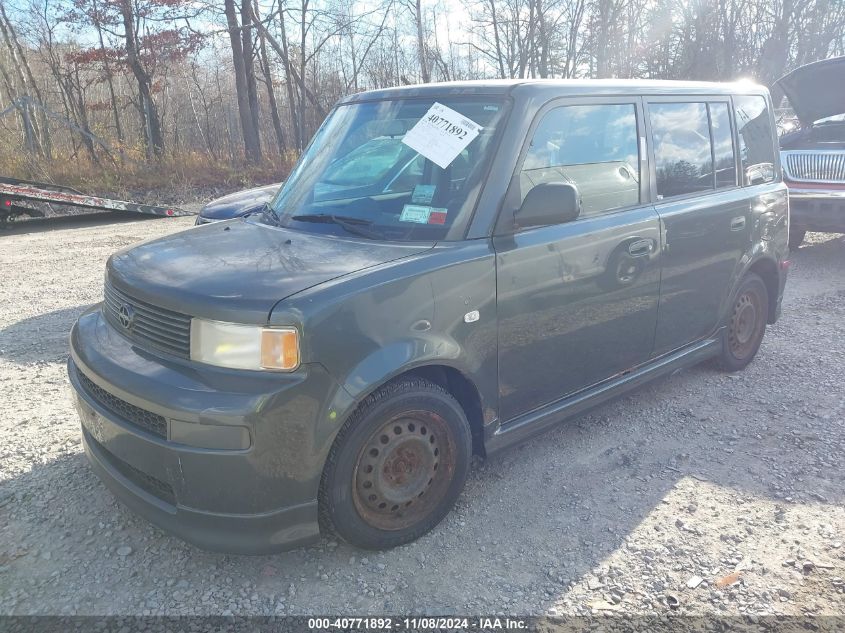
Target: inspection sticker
(441,134)
(423,194)
(437,215)
(415,213)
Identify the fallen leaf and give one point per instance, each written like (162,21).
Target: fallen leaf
(728,580)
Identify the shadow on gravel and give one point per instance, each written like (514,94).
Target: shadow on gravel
(40,338)
(532,519)
(821,249)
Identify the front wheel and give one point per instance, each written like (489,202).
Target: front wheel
(746,324)
(397,466)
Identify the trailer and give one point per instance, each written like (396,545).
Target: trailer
(22,197)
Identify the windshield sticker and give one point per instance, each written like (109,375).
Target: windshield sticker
(437,216)
(423,194)
(441,134)
(415,213)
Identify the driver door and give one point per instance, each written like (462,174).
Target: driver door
(577,301)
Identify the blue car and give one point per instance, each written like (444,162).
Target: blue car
(237,204)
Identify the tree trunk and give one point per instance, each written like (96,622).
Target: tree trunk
(31,126)
(252,150)
(499,60)
(249,72)
(271,92)
(110,82)
(150,121)
(418,19)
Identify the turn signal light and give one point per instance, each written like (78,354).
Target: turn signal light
(280,349)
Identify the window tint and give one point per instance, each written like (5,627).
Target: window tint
(593,147)
(723,145)
(756,143)
(681,148)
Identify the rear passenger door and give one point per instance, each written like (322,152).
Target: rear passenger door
(705,215)
(577,301)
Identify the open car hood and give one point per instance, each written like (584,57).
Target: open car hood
(817,90)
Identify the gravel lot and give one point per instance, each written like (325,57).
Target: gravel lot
(642,506)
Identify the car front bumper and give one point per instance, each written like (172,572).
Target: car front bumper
(817,208)
(256,495)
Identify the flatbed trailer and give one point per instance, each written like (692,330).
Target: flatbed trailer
(22,197)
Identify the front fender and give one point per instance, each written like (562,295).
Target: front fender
(368,328)
(399,357)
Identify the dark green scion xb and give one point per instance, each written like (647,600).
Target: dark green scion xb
(448,270)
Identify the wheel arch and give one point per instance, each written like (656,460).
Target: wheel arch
(463,389)
(452,379)
(767,269)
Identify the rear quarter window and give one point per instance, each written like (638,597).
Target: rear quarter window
(756,139)
(693,147)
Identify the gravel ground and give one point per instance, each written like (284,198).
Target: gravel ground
(703,492)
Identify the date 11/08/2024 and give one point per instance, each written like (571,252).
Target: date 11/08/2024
(417,623)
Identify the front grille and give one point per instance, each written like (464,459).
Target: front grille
(149,325)
(815,166)
(148,483)
(146,420)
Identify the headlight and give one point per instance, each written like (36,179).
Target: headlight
(244,346)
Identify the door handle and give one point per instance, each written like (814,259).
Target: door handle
(639,248)
(738,223)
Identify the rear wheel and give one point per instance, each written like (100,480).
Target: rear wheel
(796,237)
(746,324)
(397,466)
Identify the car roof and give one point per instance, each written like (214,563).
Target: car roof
(560,87)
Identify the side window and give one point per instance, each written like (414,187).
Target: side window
(723,145)
(681,136)
(756,143)
(593,147)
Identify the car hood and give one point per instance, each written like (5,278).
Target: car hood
(817,90)
(238,270)
(240,202)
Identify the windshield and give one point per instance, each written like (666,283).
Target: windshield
(404,169)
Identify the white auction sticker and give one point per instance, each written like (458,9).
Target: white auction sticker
(415,213)
(441,134)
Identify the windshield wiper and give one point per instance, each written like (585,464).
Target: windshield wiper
(267,209)
(352,225)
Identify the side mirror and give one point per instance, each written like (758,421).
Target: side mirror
(549,203)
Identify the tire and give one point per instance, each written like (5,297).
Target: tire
(397,466)
(796,237)
(746,324)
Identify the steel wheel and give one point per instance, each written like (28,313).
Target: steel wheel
(408,458)
(746,324)
(397,465)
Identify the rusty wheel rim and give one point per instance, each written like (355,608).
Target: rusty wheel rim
(404,470)
(744,324)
